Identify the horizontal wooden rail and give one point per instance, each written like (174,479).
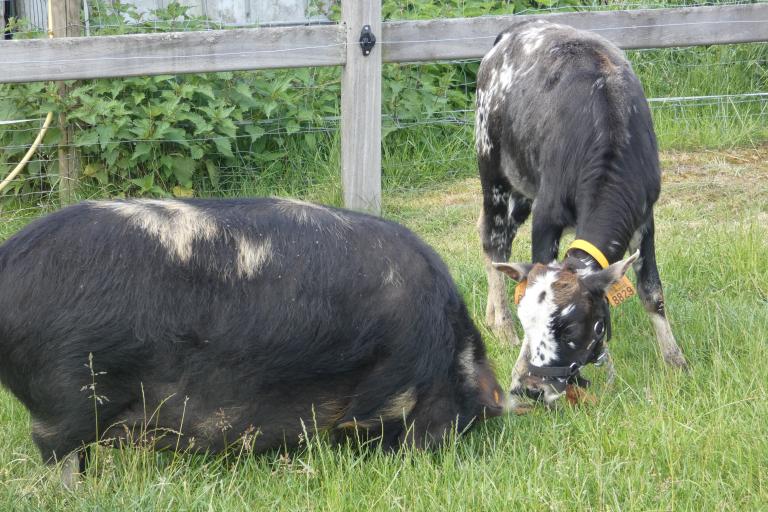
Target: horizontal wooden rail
(470,38)
(324,45)
(71,58)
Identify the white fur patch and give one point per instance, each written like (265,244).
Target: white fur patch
(483,144)
(399,406)
(532,38)
(252,256)
(567,310)
(391,276)
(467,364)
(536,318)
(519,181)
(175,224)
(664,333)
(310,213)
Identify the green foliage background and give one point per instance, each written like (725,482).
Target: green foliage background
(211,133)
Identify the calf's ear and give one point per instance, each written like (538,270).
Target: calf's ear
(515,271)
(600,281)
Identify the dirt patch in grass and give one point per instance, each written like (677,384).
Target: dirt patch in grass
(731,178)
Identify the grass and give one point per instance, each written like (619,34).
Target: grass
(657,440)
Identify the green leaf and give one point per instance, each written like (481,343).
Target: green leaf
(255,131)
(183,169)
(182,191)
(142,150)
(213,173)
(224,146)
(87,138)
(196,151)
(106,132)
(205,90)
(292,127)
(144,183)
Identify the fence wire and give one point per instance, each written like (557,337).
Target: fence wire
(264,132)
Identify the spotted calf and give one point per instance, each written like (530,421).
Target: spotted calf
(194,324)
(563,132)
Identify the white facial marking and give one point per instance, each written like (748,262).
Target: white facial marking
(252,256)
(175,224)
(536,318)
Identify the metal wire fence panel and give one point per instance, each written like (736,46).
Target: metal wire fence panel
(277,132)
(104,17)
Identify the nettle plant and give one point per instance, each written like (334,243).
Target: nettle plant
(166,135)
(172,135)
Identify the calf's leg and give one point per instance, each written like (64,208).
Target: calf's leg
(503,212)
(651,294)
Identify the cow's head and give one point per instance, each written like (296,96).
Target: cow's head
(565,317)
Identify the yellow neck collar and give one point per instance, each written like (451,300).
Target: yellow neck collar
(591,250)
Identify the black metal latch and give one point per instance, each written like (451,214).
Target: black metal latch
(367,40)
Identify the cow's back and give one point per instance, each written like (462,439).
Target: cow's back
(556,101)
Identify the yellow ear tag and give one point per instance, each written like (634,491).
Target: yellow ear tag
(620,291)
(520,290)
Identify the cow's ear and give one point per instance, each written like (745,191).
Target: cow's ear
(600,281)
(515,271)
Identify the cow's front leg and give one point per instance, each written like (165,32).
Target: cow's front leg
(503,212)
(651,294)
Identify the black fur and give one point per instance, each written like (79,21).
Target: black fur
(578,128)
(562,119)
(321,333)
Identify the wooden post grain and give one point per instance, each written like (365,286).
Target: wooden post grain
(66,23)
(361,109)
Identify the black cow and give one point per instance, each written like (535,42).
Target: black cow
(215,319)
(563,131)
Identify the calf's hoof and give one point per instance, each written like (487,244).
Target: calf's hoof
(676,359)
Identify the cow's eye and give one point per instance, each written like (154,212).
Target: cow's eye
(599,329)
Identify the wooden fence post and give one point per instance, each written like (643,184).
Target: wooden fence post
(361,108)
(66,23)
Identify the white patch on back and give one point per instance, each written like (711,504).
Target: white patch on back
(252,256)
(532,37)
(314,214)
(536,318)
(499,44)
(391,276)
(175,224)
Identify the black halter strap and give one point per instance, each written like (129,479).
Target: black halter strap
(591,354)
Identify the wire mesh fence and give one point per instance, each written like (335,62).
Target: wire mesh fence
(267,132)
